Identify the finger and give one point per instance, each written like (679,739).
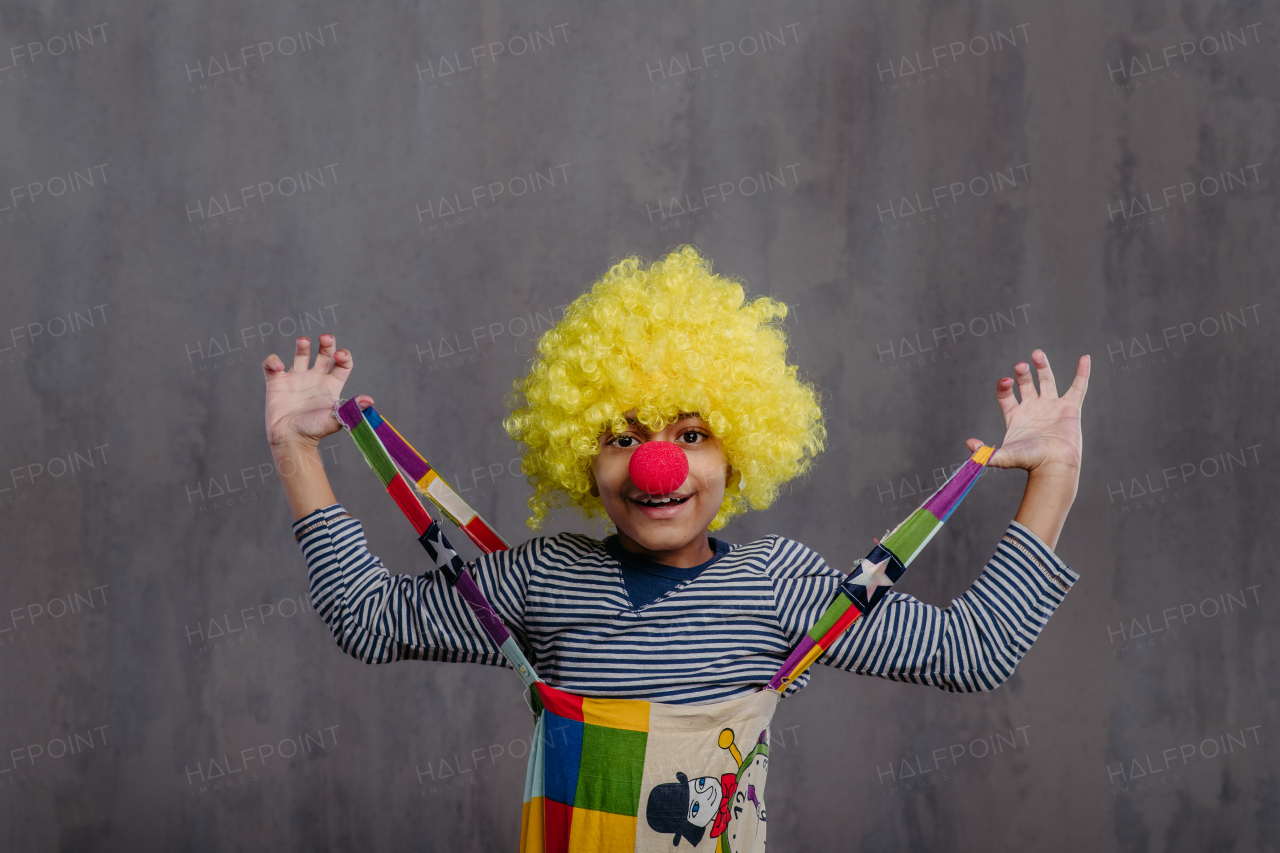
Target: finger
(1001,459)
(364,401)
(1048,388)
(1004,396)
(1026,387)
(1081,383)
(973,444)
(272,366)
(302,355)
(342,364)
(324,357)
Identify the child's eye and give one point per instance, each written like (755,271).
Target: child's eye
(692,436)
(624,441)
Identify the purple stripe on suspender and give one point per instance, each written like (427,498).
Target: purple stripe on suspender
(797,654)
(349,413)
(397,448)
(480,606)
(945,500)
(400,451)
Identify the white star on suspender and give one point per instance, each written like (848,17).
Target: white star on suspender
(873,576)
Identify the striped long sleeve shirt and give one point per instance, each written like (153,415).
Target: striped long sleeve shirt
(716,637)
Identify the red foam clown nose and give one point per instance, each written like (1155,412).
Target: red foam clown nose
(658,467)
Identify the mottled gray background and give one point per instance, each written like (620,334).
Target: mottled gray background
(149,396)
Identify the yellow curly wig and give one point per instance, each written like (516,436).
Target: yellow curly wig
(665,339)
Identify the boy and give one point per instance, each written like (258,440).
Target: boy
(661,611)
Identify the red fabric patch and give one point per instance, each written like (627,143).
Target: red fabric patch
(560,703)
(559,822)
(409,504)
(486,540)
(846,619)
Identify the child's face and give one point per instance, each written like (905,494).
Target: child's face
(694,504)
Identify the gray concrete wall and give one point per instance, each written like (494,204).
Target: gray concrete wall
(135,316)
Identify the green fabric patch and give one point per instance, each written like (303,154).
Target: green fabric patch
(611,770)
(834,611)
(911,535)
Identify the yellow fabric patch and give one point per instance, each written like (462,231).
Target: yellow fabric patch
(601,832)
(531,832)
(631,714)
(812,655)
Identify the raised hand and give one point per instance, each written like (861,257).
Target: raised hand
(1043,430)
(300,401)
(1042,434)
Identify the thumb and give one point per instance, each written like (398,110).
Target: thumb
(364,401)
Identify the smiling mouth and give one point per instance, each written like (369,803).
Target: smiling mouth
(656,502)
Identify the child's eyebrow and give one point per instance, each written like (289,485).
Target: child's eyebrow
(633,422)
(679,417)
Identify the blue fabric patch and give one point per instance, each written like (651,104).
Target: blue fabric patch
(563,740)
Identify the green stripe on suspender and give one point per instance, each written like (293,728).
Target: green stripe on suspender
(830,616)
(372,451)
(907,540)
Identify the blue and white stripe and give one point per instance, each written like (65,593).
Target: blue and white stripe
(719,636)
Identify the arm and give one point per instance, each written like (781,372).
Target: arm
(976,642)
(973,645)
(305,485)
(377,617)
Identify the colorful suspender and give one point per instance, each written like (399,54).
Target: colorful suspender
(881,569)
(369,431)
(388,454)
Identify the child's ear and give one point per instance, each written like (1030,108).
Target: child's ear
(595,488)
